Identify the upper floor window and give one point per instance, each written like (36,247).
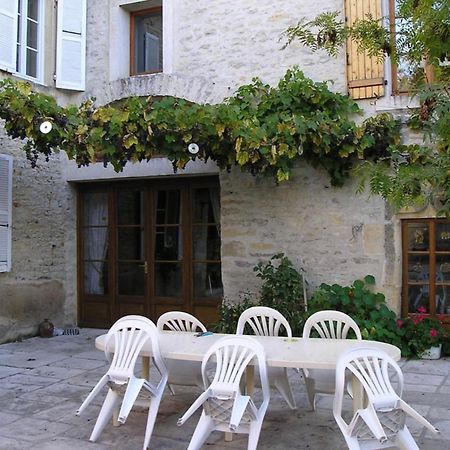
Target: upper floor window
(29,30)
(146,41)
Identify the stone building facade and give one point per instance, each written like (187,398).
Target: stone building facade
(209,49)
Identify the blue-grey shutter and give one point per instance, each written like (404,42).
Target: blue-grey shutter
(6,170)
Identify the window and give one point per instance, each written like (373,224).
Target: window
(146,41)
(426,266)
(29,30)
(22,42)
(5,212)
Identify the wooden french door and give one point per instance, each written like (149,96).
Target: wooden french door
(147,248)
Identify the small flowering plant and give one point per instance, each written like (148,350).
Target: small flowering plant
(421,331)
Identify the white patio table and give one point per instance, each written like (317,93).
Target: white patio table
(293,352)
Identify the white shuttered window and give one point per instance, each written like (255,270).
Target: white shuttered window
(6,170)
(8,35)
(71,45)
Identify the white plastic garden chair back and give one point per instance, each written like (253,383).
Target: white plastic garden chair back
(179,321)
(224,406)
(184,373)
(331,324)
(328,324)
(123,344)
(265,321)
(382,422)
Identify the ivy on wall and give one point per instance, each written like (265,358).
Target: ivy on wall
(261,129)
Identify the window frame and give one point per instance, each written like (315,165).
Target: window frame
(133,15)
(22,25)
(432,255)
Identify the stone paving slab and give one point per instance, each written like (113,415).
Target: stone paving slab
(43,382)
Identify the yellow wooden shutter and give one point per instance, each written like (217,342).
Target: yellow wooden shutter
(365,75)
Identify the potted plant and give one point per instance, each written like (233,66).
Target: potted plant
(423,334)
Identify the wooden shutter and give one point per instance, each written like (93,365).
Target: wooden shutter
(365,75)
(6,170)
(8,34)
(71,45)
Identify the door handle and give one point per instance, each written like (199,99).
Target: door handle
(145,266)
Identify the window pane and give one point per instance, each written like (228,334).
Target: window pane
(418,297)
(442,299)
(95,243)
(148,42)
(31,63)
(168,244)
(442,268)
(168,209)
(418,238)
(168,279)
(131,244)
(208,280)
(131,279)
(33,9)
(443,237)
(95,207)
(96,278)
(206,242)
(418,268)
(32,34)
(129,208)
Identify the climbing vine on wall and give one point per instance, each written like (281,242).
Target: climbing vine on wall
(261,129)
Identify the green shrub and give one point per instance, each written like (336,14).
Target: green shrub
(367,308)
(229,314)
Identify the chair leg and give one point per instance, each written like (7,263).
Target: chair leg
(134,386)
(405,441)
(253,434)
(111,402)
(311,391)
(203,429)
(151,419)
(171,389)
(284,387)
(97,388)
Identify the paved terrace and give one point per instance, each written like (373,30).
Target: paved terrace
(43,382)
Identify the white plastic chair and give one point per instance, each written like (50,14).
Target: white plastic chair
(381,423)
(123,343)
(184,373)
(328,324)
(265,321)
(224,406)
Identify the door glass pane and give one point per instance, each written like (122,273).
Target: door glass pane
(168,244)
(130,207)
(33,9)
(131,278)
(95,243)
(418,238)
(130,243)
(95,206)
(418,268)
(168,207)
(208,280)
(206,243)
(95,277)
(168,279)
(443,237)
(206,205)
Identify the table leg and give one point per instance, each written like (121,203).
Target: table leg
(358,394)
(250,380)
(146,367)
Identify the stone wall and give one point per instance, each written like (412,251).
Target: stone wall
(43,215)
(335,235)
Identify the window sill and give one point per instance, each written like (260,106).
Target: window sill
(396,102)
(27,78)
